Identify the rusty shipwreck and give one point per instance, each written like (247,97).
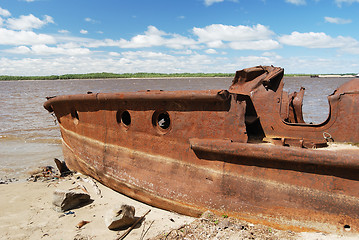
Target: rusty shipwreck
(245,151)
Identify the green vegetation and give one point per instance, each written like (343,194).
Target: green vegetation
(129,75)
(114,75)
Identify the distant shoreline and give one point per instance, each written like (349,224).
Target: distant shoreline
(102,76)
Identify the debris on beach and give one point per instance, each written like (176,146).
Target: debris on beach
(7,180)
(94,185)
(82,223)
(211,226)
(139,220)
(49,173)
(120,217)
(66,200)
(45,173)
(63,169)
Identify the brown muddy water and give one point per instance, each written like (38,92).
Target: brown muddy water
(29,137)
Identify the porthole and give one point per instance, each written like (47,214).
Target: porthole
(75,116)
(162,121)
(124,118)
(347,228)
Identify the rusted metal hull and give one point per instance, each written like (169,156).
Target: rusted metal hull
(189,151)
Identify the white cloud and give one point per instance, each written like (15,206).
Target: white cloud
(272,55)
(339,2)
(239,37)
(250,61)
(90,20)
(46,50)
(10,37)
(4,12)
(63,31)
(268,44)
(69,45)
(82,31)
(317,40)
(114,54)
(219,32)
(296,2)
(147,55)
(152,38)
(337,20)
(18,50)
(216,44)
(184,52)
(210,2)
(27,22)
(211,51)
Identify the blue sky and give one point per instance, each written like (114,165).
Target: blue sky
(43,37)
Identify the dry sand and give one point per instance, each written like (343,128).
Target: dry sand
(27,213)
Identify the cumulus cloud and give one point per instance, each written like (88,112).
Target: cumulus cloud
(90,20)
(222,32)
(184,52)
(43,49)
(63,31)
(147,55)
(133,62)
(11,37)
(153,37)
(83,31)
(296,2)
(18,50)
(337,20)
(248,61)
(339,2)
(211,51)
(28,22)
(240,37)
(268,44)
(210,2)
(4,12)
(317,40)
(114,54)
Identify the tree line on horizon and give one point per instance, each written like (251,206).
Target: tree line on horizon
(124,75)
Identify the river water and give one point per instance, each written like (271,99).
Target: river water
(29,137)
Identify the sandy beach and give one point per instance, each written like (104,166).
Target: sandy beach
(27,212)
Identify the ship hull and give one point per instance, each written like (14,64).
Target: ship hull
(192,151)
